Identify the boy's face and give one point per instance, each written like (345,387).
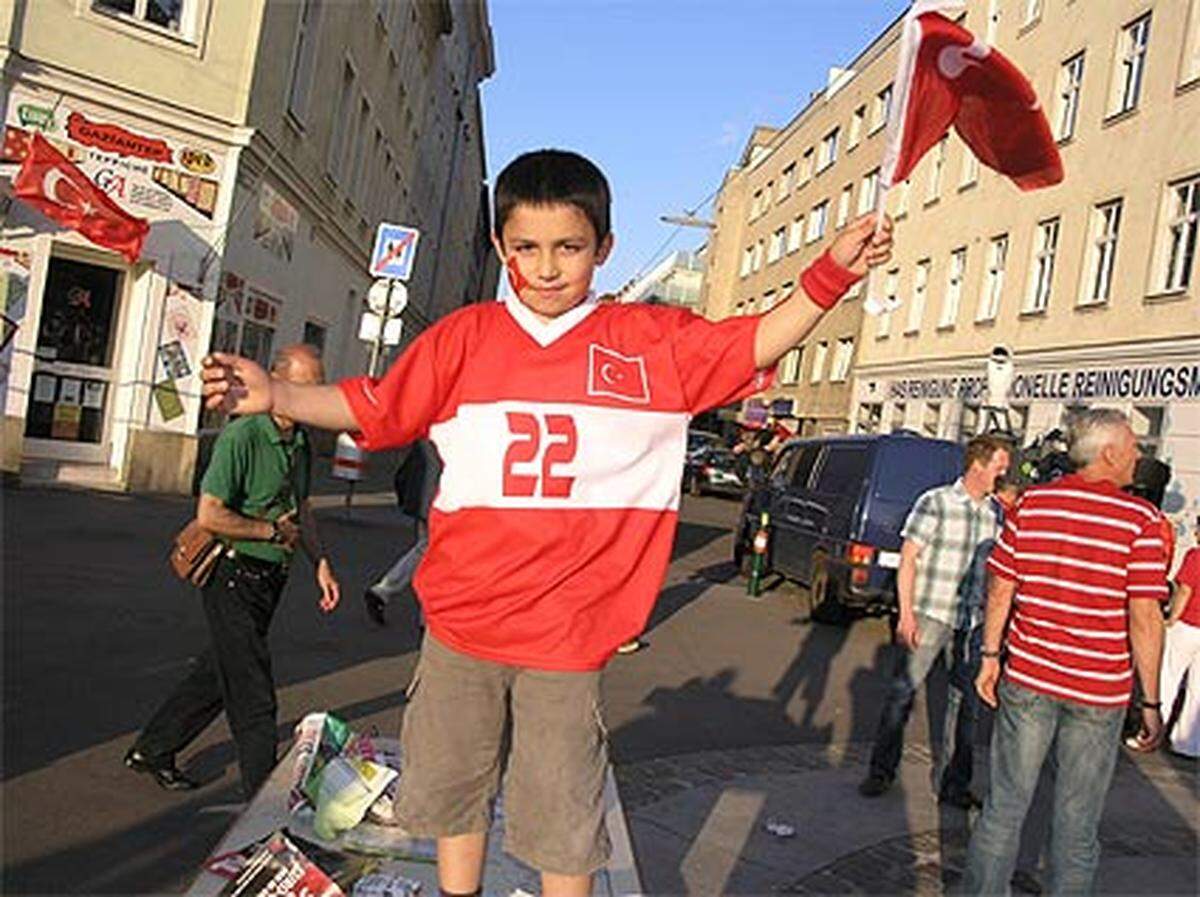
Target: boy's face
(554,248)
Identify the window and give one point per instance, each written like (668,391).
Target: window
(340,137)
(785,291)
(903,194)
(256,342)
(916,308)
(1189,68)
(806,166)
(842,469)
(954,282)
(1147,423)
(891,287)
(1130,65)
(173,15)
(857,120)
(993,283)
(881,108)
(1033,12)
(970,169)
(314,335)
(303,57)
(775,250)
(818,365)
(768,196)
(756,204)
(1041,273)
(1070,81)
(898,411)
(993,22)
(828,154)
(747,261)
(768,301)
(806,460)
(786,179)
(758,255)
(354,185)
(365,199)
(843,209)
(841,360)
(789,366)
(1183,217)
(868,192)
(931,419)
(937,163)
(1106,223)
(817,220)
(870,415)
(795,234)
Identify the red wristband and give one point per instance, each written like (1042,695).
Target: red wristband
(825,281)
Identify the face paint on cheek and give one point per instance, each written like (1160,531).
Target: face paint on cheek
(516,279)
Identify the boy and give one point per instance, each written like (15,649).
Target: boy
(561,423)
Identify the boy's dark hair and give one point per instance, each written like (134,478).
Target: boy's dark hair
(549,176)
(981,449)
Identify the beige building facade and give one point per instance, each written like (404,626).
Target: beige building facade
(1091,284)
(264,141)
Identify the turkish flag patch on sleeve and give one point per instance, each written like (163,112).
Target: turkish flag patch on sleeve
(616,376)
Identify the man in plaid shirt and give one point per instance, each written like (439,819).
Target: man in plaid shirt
(940,586)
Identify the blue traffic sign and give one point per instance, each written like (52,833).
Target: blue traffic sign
(395,249)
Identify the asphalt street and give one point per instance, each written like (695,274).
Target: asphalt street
(96,631)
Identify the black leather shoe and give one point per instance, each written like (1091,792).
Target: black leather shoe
(874,785)
(964,800)
(166,775)
(375,607)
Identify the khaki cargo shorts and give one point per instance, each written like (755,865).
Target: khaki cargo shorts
(468,721)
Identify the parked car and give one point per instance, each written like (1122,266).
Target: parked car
(698,440)
(713,469)
(837,505)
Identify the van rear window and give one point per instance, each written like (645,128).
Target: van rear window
(842,469)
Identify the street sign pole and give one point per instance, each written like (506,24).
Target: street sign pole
(377,344)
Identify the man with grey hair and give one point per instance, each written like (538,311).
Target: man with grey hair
(254,497)
(1077,580)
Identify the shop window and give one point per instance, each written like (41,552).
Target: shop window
(931,419)
(1147,423)
(314,335)
(256,342)
(870,416)
(898,411)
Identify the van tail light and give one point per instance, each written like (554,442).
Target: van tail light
(859,554)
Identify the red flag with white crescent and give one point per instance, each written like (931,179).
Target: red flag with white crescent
(948,78)
(56,187)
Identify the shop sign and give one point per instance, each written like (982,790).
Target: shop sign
(115,139)
(276,223)
(197,161)
(1176,382)
(262,308)
(33,116)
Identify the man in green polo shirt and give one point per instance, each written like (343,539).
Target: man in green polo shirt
(254,496)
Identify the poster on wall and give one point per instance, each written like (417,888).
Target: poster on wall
(156,177)
(174,360)
(14,295)
(168,400)
(276,223)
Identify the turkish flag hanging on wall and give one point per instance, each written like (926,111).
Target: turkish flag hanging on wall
(55,186)
(949,78)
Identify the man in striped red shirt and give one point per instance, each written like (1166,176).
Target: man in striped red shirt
(1080,568)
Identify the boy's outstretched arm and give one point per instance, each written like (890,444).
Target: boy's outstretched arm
(851,254)
(240,386)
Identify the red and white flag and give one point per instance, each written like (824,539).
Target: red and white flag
(946,77)
(55,186)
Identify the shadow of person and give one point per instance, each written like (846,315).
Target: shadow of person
(807,677)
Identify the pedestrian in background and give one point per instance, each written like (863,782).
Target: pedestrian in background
(254,497)
(939,587)
(416,486)
(1181,655)
(1080,566)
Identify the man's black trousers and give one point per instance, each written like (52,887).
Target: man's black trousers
(233,675)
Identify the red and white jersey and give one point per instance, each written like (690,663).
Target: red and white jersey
(1079,552)
(563,444)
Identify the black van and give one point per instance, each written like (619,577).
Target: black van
(837,505)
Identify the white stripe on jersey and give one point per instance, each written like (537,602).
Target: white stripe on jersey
(1074,630)
(1062,646)
(1086,588)
(1063,668)
(621,458)
(1069,562)
(1082,518)
(1076,540)
(1108,499)
(1072,608)
(1068,692)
